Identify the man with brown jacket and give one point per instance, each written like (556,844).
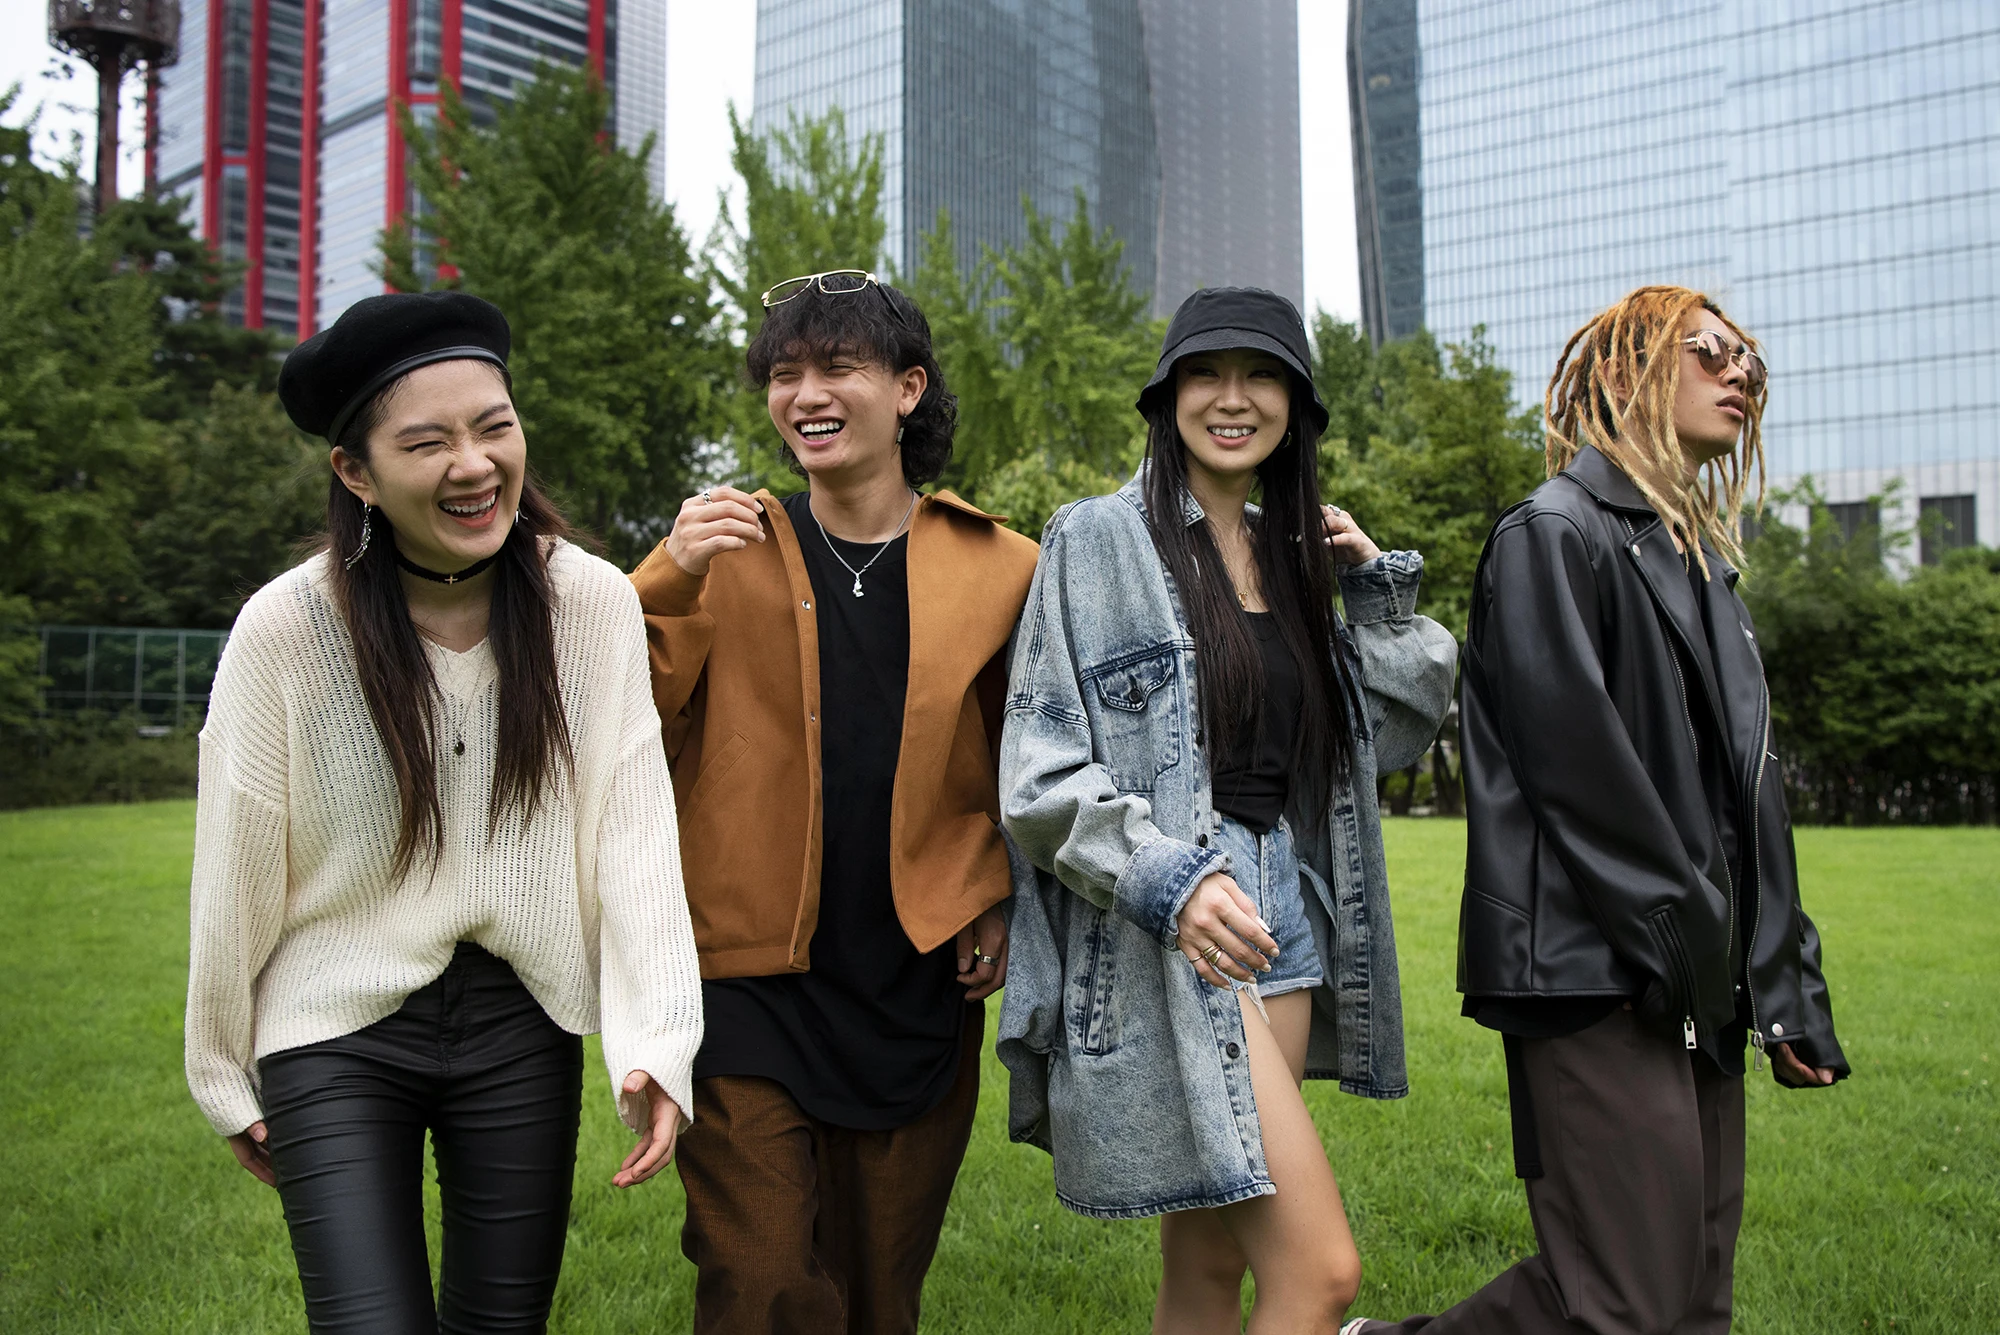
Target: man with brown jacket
(830,671)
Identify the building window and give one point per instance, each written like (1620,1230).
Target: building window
(1945,524)
(1854,516)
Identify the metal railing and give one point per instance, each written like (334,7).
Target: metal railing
(162,677)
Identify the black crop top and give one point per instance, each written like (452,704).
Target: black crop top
(1253,781)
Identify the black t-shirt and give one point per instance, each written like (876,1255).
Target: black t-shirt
(1254,780)
(868,1038)
(1555,1017)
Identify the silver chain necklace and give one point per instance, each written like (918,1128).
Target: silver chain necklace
(914,496)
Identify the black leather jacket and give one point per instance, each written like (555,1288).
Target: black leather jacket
(1594,864)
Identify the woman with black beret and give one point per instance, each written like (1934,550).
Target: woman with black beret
(435,843)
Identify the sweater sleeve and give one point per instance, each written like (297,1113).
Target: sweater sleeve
(237,899)
(650,980)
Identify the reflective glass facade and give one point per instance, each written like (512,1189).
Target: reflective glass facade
(1043,99)
(813,55)
(1226,108)
(1388,162)
(303,212)
(1830,174)
(982,102)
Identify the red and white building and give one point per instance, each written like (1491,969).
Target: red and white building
(277,122)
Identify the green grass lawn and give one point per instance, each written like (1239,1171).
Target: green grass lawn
(1874,1206)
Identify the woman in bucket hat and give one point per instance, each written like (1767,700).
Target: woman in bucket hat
(1192,738)
(434,844)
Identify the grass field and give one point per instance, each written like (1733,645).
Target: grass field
(1874,1206)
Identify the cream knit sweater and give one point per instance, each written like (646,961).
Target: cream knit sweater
(299,932)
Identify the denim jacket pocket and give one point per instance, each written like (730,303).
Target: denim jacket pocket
(1136,716)
(1093,948)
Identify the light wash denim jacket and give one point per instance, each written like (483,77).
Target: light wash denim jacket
(1125,1066)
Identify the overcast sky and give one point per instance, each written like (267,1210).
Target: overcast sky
(710,63)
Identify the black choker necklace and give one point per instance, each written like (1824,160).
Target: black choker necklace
(434,577)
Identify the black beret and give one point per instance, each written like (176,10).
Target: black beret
(326,379)
(1216,318)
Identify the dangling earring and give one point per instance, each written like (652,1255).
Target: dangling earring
(366,532)
(899,433)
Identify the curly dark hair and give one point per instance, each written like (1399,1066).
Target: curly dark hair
(878,324)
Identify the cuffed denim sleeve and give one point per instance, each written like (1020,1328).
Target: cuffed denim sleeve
(1158,882)
(1409,663)
(1057,801)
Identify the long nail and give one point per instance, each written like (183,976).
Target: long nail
(1265,925)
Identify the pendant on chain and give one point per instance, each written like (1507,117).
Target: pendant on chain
(857,588)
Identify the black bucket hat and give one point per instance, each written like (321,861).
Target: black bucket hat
(1216,318)
(327,378)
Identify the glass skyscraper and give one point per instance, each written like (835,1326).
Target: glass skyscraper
(302,212)
(1831,174)
(982,102)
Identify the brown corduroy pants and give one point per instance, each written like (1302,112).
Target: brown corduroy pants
(796,1227)
(1640,1198)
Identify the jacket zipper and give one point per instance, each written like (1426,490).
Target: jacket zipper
(1757,904)
(1728,876)
(1677,960)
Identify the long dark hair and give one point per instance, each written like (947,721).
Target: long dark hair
(884,327)
(395,672)
(1292,560)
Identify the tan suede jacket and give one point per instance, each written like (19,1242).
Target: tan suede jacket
(735,660)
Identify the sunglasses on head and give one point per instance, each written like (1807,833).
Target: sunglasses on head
(834,282)
(1715,355)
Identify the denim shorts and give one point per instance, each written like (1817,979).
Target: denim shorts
(1266,869)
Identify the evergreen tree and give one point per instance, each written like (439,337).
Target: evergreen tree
(76,339)
(239,487)
(197,345)
(616,353)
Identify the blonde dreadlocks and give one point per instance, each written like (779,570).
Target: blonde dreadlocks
(1609,393)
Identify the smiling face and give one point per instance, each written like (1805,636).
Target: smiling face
(445,464)
(839,414)
(1233,408)
(1709,409)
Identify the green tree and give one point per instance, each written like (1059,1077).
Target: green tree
(616,354)
(238,489)
(1446,451)
(812,201)
(76,339)
(1884,700)
(1046,344)
(195,342)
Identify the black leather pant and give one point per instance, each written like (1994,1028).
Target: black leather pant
(474,1060)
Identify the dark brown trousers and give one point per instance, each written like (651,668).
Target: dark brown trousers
(1641,1147)
(801,1228)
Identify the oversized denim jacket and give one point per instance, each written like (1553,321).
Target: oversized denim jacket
(1132,1072)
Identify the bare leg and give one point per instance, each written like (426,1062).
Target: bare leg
(1297,1242)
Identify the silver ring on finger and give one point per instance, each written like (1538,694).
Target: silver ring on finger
(707,499)
(1213,955)
(987,959)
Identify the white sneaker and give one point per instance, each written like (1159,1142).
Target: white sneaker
(1354,1327)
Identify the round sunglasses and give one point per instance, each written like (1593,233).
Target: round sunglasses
(1715,355)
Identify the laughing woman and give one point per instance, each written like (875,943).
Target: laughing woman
(435,839)
(1190,753)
